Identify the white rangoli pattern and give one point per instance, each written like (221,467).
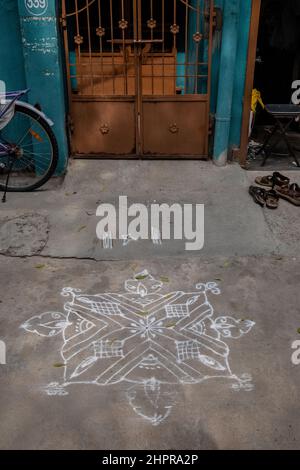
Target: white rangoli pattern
(151,340)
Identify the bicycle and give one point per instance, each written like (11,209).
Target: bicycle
(28,147)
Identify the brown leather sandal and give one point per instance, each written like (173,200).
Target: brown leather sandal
(265,181)
(280,180)
(272,199)
(271,180)
(290,192)
(258,195)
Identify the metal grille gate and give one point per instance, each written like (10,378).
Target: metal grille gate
(139,76)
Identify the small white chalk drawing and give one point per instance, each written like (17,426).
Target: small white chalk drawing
(151,340)
(156,236)
(127,239)
(107,241)
(54,388)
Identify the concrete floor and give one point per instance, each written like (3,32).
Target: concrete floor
(238,390)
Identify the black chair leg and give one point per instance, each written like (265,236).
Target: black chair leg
(265,158)
(288,144)
(265,144)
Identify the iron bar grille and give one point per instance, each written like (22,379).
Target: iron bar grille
(112,42)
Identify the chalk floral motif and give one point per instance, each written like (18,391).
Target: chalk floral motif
(47,324)
(153,341)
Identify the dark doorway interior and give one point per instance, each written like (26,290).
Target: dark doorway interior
(278,51)
(276,72)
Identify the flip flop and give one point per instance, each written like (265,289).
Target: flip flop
(258,195)
(290,192)
(265,180)
(272,199)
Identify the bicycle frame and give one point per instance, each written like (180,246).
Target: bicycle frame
(10,99)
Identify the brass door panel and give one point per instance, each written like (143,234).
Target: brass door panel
(176,125)
(105,125)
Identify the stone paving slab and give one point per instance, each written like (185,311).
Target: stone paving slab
(263,413)
(234,225)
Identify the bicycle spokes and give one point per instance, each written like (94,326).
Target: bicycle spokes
(28,142)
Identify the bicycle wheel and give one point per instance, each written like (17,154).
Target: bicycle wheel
(32,151)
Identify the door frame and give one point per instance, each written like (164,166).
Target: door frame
(251,61)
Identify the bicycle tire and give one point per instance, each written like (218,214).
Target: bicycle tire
(44,124)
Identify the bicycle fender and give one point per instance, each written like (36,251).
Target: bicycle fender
(37,111)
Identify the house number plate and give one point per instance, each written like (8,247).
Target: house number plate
(36,7)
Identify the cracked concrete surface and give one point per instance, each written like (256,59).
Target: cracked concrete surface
(233,223)
(25,235)
(47,242)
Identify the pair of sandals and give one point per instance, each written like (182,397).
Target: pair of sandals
(282,187)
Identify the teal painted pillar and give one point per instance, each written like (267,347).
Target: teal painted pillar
(240,73)
(11,54)
(43,66)
(226,81)
(215,66)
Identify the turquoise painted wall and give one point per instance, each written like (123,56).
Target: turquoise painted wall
(240,69)
(226,81)
(240,66)
(11,55)
(43,66)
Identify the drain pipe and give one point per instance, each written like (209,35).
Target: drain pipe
(226,81)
